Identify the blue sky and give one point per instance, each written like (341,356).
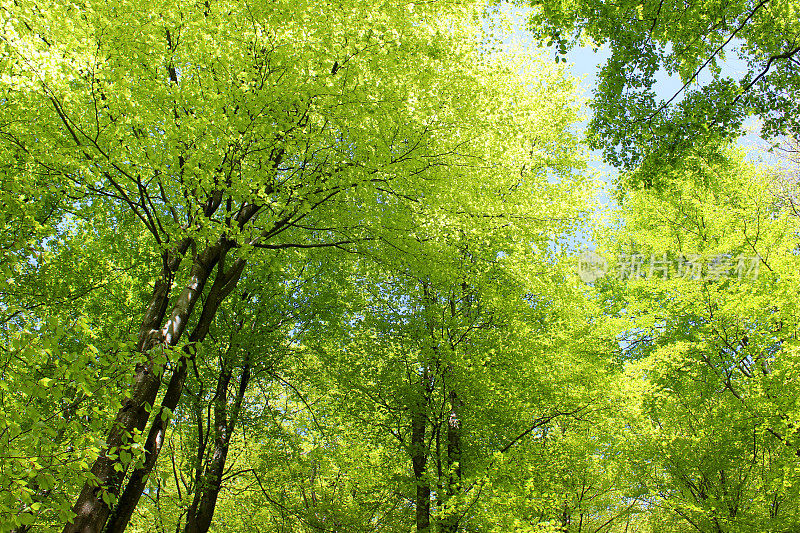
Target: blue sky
(585,65)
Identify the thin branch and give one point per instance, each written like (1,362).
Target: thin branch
(707,61)
(786,55)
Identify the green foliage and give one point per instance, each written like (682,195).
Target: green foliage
(709,423)
(639,129)
(362,217)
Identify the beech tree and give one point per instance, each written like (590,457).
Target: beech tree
(458,369)
(640,129)
(296,266)
(709,341)
(211,135)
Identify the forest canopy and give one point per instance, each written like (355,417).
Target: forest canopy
(324,266)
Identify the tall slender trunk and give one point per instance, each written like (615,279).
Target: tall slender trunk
(201,512)
(122,513)
(224,283)
(419,458)
(566,515)
(108,471)
(451,519)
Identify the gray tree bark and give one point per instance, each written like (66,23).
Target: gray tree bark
(108,471)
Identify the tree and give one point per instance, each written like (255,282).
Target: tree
(453,375)
(708,337)
(638,130)
(212,135)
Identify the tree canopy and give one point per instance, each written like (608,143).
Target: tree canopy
(639,127)
(300,267)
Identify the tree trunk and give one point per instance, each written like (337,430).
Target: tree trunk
(224,283)
(155,439)
(451,518)
(108,470)
(202,510)
(419,458)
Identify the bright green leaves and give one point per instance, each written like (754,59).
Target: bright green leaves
(388,132)
(707,412)
(655,39)
(63,349)
(55,393)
